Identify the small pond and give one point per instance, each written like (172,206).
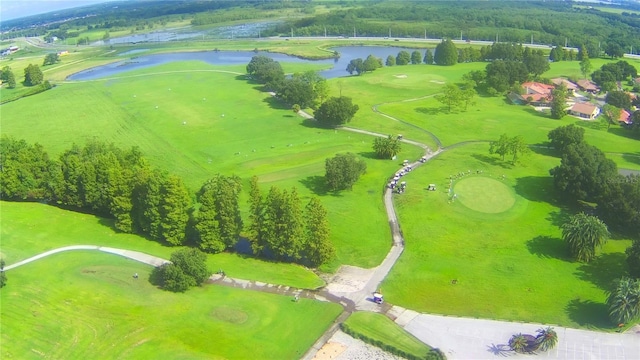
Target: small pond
(347,53)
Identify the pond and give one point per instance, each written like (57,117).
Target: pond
(188,32)
(338,66)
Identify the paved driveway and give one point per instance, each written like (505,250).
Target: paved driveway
(462,338)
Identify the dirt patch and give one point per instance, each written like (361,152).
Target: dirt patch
(230,315)
(401,76)
(349,279)
(437,82)
(330,350)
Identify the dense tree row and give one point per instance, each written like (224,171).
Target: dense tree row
(520,22)
(102,179)
(281,229)
(585,174)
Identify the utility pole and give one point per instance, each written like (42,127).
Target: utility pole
(354,31)
(460,35)
(531,39)
(291,32)
(325,31)
(390,32)
(425,34)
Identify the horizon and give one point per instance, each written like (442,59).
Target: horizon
(16,9)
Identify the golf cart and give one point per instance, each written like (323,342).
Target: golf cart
(378,298)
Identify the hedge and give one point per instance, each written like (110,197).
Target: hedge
(433,354)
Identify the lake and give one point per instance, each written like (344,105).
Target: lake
(338,66)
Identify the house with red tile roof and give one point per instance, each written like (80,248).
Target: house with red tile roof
(625,117)
(585,110)
(537,93)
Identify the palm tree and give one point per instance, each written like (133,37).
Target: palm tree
(518,343)
(624,301)
(584,233)
(546,339)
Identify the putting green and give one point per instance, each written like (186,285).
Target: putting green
(484,194)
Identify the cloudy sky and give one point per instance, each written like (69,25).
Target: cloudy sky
(12,9)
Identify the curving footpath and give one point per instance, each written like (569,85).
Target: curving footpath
(134,255)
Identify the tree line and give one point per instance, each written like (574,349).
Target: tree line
(302,90)
(552,23)
(105,180)
(586,175)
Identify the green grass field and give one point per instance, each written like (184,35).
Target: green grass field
(502,246)
(82,304)
(187,134)
(31,228)
(508,265)
(379,327)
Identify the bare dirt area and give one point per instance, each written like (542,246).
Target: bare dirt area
(343,347)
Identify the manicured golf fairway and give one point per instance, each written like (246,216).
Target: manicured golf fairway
(510,265)
(84,305)
(484,194)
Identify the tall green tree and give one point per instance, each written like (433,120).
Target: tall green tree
(386,148)
(468,93)
(256,217)
(500,146)
(633,259)
(563,136)
(193,263)
(584,234)
(610,115)
(174,208)
(428,57)
(619,205)
(371,63)
(33,75)
(391,61)
(403,58)
(585,63)
(619,99)
(559,102)
(537,64)
(27,171)
(446,53)
(319,249)
(416,57)
(451,96)
(292,233)
(343,170)
(266,71)
(336,111)
(584,172)
(355,65)
(624,301)
(518,148)
(8,77)
(50,59)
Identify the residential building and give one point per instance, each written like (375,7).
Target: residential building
(585,110)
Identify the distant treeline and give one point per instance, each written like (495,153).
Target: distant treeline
(102,179)
(550,23)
